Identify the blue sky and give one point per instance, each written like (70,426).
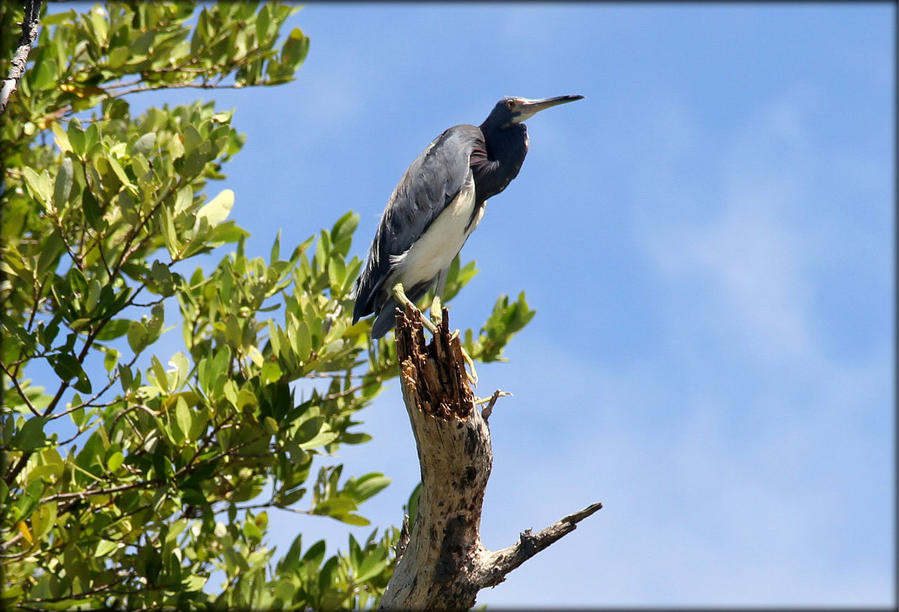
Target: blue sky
(707,239)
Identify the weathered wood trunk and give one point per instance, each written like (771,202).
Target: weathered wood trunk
(443,564)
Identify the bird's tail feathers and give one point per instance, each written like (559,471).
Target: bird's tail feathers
(385,320)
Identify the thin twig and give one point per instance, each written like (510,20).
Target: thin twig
(21,391)
(490,401)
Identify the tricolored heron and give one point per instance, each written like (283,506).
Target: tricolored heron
(438,202)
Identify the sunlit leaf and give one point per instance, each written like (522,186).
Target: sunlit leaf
(217,209)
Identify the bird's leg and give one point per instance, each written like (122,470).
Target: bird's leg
(436,307)
(473,377)
(437,302)
(400,294)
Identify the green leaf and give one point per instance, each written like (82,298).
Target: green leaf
(78,416)
(110,359)
(230,391)
(192,139)
(374,564)
(367,486)
(295,48)
(125,377)
(120,173)
(29,500)
(276,248)
(117,57)
(45,75)
(76,137)
(91,137)
(100,27)
(43,519)
(352,519)
(183,416)
(217,209)
(53,247)
(183,199)
(137,336)
(412,504)
(91,208)
(31,436)
(335,506)
(68,367)
(291,561)
(271,425)
(309,429)
(342,232)
(504,322)
(170,234)
(115,328)
(194,583)
(61,138)
(142,43)
(316,553)
(301,340)
(145,144)
(292,497)
(162,379)
(38,184)
(105,547)
(181,367)
(64,179)
(251,531)
(115,461)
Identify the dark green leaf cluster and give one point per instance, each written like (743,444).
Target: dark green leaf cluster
(129,476)
(126,47)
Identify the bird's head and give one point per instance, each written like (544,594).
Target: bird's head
(510,111)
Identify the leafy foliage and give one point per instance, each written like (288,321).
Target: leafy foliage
(130,477)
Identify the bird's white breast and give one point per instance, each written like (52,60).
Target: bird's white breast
(434,250)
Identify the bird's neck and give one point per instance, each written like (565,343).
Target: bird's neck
(506,150)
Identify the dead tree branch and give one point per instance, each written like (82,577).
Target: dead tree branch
(443,564)
(30,25)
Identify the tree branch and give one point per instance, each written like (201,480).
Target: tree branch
(444,564)
(21,391)
(30,26)
(498,564)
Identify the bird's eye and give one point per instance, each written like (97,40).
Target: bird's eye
(510,104)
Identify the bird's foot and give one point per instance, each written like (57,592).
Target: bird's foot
(400,294)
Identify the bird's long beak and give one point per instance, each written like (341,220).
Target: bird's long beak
(528,108)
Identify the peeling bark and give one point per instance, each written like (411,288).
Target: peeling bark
(443,564)
(30,26)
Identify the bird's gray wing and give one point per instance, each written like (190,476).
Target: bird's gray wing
(428,186)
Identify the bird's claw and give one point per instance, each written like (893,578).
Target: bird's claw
(473,375)
(400,294)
